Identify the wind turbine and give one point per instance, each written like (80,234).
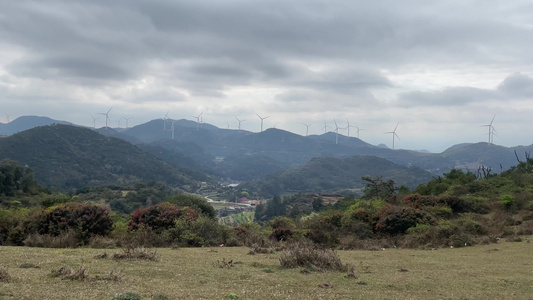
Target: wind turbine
(94,121)
(106,116)
(198,120)
(325,126)
(336,132)
(127,119)
(240,121)
(358,129)
(8,115)
(394,135)
(307,128)
(262,121)
(172,128)
(348,127)
(491,130)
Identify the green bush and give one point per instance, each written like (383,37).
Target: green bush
(281,234)
(395,220)
(196,202)
(440,211)
(467,225)
(86,220)
(203,231)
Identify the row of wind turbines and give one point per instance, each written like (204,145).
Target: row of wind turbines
(199,119)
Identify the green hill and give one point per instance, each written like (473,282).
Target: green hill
(66,157)
(333,174)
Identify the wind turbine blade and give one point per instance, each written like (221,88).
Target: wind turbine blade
(110,109)
(396,126)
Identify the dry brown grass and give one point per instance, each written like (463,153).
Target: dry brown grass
(479,272)
(308,255)
(139,253)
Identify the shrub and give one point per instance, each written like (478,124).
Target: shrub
(85,219)
(468,225)
(195,202)
(418,201)
(281,234)
(440,211)
(281,222)
(465,204)
(325,228)
(394,219)
(65,239)
(507,201)
(251,234)
(160,217)
(200,232)
(306,255)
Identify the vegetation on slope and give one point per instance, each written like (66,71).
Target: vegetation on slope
(66,157)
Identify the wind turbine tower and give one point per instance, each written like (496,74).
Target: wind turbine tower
(172,128)
(358,129)
(336,132)
(262,118)
(307,128)
(165,119)
(348,127)
(492,130)
(94,121)
(7,116)
(394,135)
(106,117)
(240,121)
(325,127)
(198,120)
(127,119)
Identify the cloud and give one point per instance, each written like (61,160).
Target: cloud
(515,86)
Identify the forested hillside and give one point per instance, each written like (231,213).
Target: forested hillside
(66,157)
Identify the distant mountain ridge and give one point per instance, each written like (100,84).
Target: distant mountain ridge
(27,122)
(241,155)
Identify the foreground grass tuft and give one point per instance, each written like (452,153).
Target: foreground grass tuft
(308,255)
(136,253)
(127,296)
(4,275)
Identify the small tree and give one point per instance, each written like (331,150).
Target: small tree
(196,202)
(378,188)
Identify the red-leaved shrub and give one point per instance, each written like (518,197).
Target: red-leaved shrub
(160,217)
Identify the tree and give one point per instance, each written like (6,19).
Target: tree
(195,202)
(14,177)
(318,203)
(378,188)
(275,208)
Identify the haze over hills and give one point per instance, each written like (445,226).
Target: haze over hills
(239,155)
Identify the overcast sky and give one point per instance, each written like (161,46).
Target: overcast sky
(441,69)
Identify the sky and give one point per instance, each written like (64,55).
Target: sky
(438,70)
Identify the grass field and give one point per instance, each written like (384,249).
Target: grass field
(497,271)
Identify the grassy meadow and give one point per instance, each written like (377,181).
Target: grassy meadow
(496,271)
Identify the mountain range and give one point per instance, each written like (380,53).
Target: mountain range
(184,153)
